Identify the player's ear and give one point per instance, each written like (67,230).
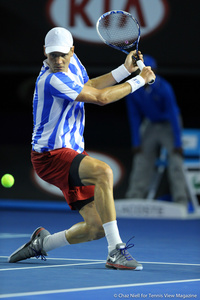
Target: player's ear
(45,52)
(72,50)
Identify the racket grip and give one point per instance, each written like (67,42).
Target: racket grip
(141,65)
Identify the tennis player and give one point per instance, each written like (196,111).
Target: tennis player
(58,154)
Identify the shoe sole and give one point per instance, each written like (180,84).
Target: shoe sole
(121,267)
(35,233)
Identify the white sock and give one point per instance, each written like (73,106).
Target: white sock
(112,235)
(54,241)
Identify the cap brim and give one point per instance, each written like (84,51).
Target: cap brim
(57,49)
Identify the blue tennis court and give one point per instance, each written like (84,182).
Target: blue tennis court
(168,249)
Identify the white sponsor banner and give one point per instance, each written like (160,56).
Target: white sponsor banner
(80,16)
(190,141)
(140,208)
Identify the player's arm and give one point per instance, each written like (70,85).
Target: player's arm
(103,96)
(114,93)
(101,82)
(112,78)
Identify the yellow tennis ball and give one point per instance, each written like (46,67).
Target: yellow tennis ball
(7,180)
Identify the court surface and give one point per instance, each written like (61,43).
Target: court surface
(168,249)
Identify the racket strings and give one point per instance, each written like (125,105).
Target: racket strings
(119,30)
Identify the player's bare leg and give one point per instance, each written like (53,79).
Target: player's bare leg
(90,229)
(102,210)
(98,173)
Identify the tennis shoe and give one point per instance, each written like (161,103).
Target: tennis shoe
(34,248)
(120,259)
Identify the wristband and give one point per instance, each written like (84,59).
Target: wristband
(136,82)
(120,73)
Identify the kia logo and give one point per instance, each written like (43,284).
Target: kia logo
(80,16)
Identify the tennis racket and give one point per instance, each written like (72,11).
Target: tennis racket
(119,30)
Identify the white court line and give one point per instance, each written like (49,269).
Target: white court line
(52,266)
(89,262)
(82,259)
(94,288)
(56,258)
(13,235)
(168,263)
(142,262)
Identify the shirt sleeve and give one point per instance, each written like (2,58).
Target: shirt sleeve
(62,86)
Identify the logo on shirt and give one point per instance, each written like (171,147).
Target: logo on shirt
(80,17)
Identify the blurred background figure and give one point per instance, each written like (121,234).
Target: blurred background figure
(155,126)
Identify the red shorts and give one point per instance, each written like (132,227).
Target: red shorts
(54,167)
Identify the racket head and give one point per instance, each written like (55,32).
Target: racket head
(118,29)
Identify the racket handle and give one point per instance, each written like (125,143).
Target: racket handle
(141,65)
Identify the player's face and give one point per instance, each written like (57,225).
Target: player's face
(59,61)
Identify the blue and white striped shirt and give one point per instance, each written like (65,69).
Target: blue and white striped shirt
(58,119)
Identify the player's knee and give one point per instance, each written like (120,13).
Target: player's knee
(106,174)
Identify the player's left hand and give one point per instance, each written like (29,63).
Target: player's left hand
(130,62)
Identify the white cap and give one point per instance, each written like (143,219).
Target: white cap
(58,39)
